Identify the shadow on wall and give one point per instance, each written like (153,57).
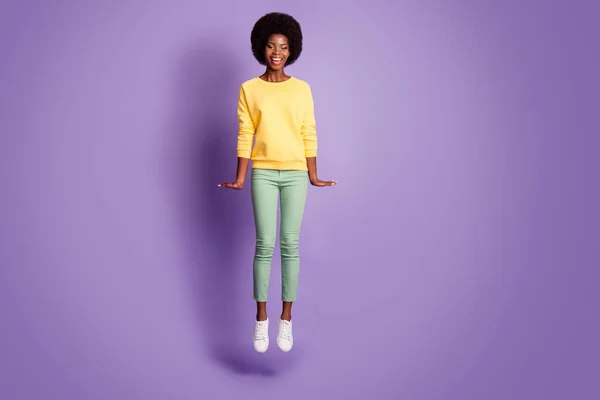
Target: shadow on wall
(217,222)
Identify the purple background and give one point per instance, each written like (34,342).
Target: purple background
(456,259)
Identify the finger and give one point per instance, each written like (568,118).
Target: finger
(324,183)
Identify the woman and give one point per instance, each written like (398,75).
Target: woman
(277,111)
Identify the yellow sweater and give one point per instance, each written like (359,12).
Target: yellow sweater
(279,117)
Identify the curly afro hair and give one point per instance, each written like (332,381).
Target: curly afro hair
(270,24)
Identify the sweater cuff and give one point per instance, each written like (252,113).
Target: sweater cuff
(244,153)
(310,153)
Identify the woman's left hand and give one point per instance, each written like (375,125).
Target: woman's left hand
(319,183)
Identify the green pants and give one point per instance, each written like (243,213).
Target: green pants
(292,188)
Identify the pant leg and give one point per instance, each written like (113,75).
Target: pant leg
(264,191)
(293,192)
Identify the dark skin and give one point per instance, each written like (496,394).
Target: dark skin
(277,48)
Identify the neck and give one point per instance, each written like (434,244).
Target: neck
(275,76)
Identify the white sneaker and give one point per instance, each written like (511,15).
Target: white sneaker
(285,340)
(261,336)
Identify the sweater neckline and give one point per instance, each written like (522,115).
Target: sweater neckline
(275,83)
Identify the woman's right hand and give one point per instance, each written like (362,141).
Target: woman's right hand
(238,185)
(240,175)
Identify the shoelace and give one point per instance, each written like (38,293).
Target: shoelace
(260,332)
(285,332)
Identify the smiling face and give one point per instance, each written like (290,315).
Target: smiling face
(277,51)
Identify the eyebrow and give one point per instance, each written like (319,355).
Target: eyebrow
(285,44)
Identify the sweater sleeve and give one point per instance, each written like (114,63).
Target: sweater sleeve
(309,131)
(246,127)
